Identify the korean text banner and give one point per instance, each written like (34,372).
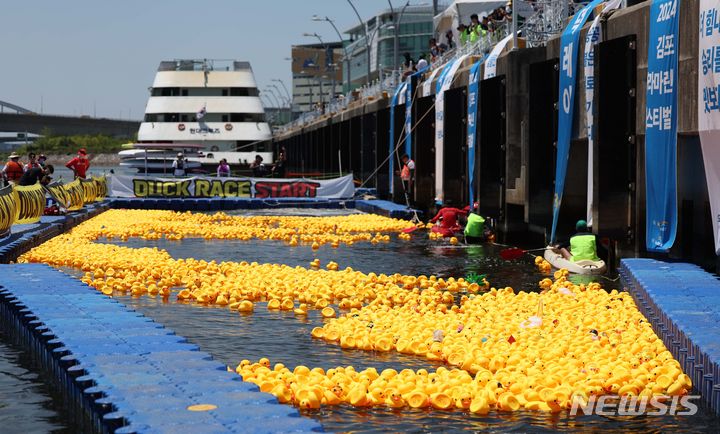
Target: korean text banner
(258,188)
(709,105)
(592,38)
(472,110)
(443,84)
(491,64)
(569,42)
(661,126)
(391,156)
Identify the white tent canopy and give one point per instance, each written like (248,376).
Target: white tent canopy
(459,12)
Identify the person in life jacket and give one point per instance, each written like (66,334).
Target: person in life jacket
(13,169)
(407,173)
(583,245)
(80,164)
(179,165)
(475,31)
(475,230)
(32,163)
(446,220)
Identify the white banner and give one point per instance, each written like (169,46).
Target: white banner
(709,105)
(491,62)
(427,84)
(593,37)
(443,84)
(257,188)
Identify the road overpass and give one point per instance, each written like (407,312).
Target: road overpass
(26,121)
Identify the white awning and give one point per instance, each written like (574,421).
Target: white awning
(459,12)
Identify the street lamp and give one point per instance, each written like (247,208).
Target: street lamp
(367,39)
(327,52)
(396,22)
(282,83)
(282,97)
(268,91)
(345,53)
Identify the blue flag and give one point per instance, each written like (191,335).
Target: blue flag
(472,110)
(661,126)
(391,141)
(566,99)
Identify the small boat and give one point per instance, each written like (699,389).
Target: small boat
(556,259)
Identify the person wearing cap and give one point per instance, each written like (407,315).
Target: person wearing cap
(179,165)
(80,164)
(583,245)
(13,170)
(42,159)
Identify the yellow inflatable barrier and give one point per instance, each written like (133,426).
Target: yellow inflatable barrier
(30,201)
(102,189)
(77,195)
(8,210)
(89,187)
(57,191)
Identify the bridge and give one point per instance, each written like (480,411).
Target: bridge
(66,125)
(16,108)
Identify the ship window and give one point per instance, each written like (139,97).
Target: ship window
(184,92)
(151,117)
(224,118)
(184,118)
(224,92)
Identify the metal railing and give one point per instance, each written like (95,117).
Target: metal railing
(548,19)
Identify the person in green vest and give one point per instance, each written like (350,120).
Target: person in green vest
(475,230)
(476,31)
(583,245)
(463,34)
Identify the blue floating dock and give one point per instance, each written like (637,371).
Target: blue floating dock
(119,371)
(386,208)
(682,302)
(25,237)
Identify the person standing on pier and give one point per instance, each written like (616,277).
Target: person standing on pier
(407,175)
(179,165)
(80,164)
(13,170)
(223,170)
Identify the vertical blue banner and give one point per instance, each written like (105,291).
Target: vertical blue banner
(408,115)
(661,127)
(472,110)
(391,141)
(569,42)
(409,100)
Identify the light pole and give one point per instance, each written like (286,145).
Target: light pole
(327,52)
(396,41)
(367,40)
(345,53)
(268,91)
(282,83)
(282,97)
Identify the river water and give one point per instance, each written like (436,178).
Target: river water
(282,337)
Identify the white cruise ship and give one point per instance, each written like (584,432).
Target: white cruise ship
(210,106)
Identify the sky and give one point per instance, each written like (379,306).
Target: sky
(90,57)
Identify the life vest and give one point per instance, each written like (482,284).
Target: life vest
(405,172)
(582,247)
(475,226)
(14,170)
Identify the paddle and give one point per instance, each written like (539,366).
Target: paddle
(515,253)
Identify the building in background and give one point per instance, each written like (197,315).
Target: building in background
(317,71)
(416,29)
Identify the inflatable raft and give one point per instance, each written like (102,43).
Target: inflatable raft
(556,259)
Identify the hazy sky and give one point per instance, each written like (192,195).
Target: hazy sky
(77,54)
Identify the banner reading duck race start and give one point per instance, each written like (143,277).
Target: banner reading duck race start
(258,188)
